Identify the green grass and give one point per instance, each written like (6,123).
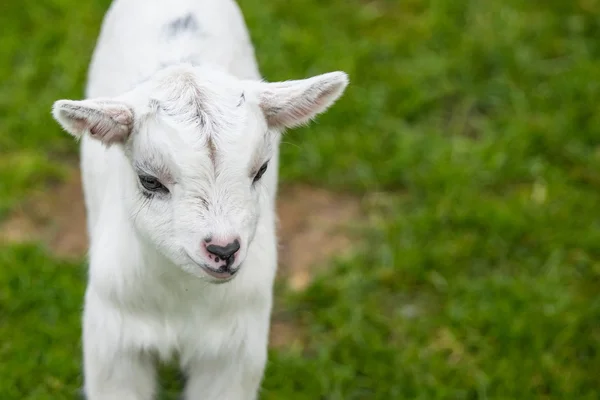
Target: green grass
(479,274)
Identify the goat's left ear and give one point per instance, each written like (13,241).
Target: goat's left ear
(107,120)
(291,103)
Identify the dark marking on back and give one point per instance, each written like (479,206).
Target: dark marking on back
(242,99)
(186,23)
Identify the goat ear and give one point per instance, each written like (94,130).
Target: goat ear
(292,103)
(109,121)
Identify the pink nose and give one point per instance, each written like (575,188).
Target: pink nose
(222,252)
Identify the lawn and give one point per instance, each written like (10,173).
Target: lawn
(470,129)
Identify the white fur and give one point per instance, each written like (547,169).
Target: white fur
(190,109)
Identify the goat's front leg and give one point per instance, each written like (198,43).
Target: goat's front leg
(236,381)
(234,376)
(111,371)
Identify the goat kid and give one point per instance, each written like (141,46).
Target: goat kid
(179,157)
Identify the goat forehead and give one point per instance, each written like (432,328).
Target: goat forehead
(233,133)
(185,86)
(201,124)
(238,141)
(196,153)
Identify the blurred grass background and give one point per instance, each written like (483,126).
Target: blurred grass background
(476,121)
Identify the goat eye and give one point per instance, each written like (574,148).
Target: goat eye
(260,172)
(151,184)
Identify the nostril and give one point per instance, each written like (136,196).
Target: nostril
(224,252)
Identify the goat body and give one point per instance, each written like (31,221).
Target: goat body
(179,157)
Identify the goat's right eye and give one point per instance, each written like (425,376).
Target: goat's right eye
(151,183)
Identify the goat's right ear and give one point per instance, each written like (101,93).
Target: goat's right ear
(109,121)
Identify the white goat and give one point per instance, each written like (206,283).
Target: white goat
(177,132)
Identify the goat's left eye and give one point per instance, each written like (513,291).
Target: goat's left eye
(260,172)
(151,183)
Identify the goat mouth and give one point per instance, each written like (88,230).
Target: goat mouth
(222,275)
